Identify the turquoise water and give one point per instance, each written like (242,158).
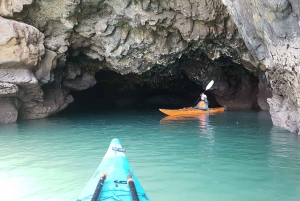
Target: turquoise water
(229,156)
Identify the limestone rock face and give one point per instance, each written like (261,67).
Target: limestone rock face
(265,92)
(21,45)
(133,36)
(25,66)
(55,99)
(48,62)
(9,7)
(85,81)
(7,89)
(271,32)
(9,110)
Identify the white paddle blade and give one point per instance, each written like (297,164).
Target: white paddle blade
(209,85)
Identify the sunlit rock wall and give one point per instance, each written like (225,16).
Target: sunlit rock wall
(9,7)
(132,36)
(271,31)
(25,65)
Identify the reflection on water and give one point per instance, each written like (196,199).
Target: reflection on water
(284,147)
(201,117)
(203,120)
(8,129)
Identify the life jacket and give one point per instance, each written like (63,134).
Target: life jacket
(201,104)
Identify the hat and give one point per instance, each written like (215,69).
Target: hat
(203,95)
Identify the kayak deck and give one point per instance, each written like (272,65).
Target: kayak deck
(191,111)
(116,186)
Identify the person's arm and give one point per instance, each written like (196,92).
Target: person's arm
(206,103)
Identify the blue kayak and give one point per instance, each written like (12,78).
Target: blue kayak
(113,179)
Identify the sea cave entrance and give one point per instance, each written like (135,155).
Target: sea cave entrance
(176,86)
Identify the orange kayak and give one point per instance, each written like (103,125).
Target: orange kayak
(191,111)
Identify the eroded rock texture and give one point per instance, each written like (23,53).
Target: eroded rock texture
(9,110)
(25,66)
(271,31)
(9,7)
(64,43)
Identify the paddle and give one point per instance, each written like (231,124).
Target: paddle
(206,88)
(209,85)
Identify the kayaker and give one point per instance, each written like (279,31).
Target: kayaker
(203,103)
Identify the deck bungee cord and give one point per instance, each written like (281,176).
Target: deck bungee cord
(131,185)
(115,196)
(99,187)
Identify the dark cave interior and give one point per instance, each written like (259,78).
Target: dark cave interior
(162,90)
(130,91)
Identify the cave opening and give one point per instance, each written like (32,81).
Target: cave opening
(114,90)
(175,86)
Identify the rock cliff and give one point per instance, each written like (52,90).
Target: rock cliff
(249,48)
(271,31)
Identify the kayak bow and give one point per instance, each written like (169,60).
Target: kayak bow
(113,179)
